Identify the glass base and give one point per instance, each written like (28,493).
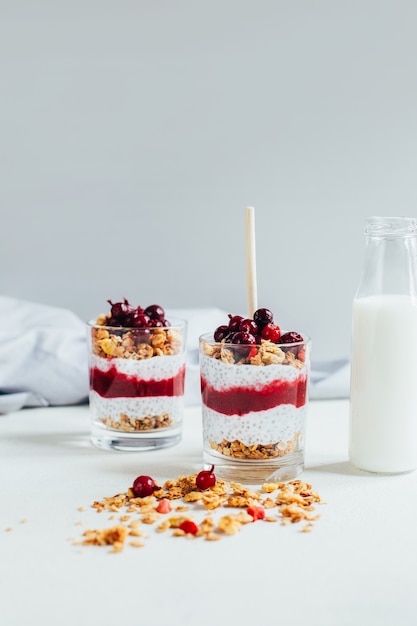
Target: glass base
(279,469)
(108,439)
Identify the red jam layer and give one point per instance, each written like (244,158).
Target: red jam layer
(113,384)
(242,400)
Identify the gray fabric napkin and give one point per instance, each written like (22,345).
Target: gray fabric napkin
(43,357)
(329,379)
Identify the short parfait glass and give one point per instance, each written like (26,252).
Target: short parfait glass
(137,380)
(254,408)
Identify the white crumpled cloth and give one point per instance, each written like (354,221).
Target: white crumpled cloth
(329,379)
(43,357)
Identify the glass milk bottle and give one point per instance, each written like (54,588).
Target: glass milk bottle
(383,394)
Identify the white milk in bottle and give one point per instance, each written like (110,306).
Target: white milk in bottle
(383,397)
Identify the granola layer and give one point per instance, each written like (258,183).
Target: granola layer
(141,413)
(238,450)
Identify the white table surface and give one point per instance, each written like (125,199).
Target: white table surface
(358,565)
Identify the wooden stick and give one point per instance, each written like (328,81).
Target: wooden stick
(251,261)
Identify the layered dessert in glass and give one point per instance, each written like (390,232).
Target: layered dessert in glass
(137,374)
(254,386)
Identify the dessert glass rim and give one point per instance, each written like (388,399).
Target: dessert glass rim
(174,323)
(209,338)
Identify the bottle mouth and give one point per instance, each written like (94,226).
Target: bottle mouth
(391,226)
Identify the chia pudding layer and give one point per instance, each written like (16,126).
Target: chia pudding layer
(130,394)
(282,424)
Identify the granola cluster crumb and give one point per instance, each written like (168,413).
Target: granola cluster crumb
(134,424)
(238,450)
(114,537)
(134,344)
(268,353)
(293,502)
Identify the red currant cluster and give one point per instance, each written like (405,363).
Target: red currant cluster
(123,314)
(248,331)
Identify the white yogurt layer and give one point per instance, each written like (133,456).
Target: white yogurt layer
(261,427)
(156,368)
(226,375)
(135,408)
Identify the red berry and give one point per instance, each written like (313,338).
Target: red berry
(154,323)
(242,344)
(120,311)
(205,479)
(291,337)
(155,312)
(144,486)
(257,512)
(164,506)
(189,527)
(113,322)
(262,317)
(234,322)
(244,338)
(138,319)
(271,332)
(221,333)
(248,326)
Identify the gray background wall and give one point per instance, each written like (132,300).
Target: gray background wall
(134,133)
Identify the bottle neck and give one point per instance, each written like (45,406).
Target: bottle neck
(390,264)
(391,226)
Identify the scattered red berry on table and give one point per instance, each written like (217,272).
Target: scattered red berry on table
(205,479)
(144,486)
(164,506)
(257,512)
(189,527)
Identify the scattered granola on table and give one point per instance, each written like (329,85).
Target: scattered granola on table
(186,510)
